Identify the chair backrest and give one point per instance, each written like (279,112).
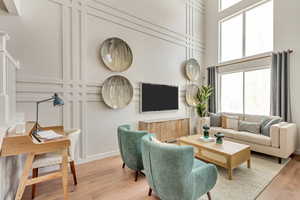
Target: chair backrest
(130,146)
(74,136)
(167,167)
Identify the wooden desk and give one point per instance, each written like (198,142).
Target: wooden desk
(14,144)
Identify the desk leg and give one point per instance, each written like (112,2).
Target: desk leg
(24,177)
(64,170)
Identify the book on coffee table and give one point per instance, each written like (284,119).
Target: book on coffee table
(210,139)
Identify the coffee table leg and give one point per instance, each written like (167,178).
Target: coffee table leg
(249,163)
(229,173)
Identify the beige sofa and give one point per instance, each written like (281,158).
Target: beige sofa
(281,143)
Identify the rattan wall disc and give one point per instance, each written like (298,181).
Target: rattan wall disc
(191,95)
(117,92)
(192,69)
(116,54)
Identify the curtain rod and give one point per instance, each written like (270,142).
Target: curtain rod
(248,59)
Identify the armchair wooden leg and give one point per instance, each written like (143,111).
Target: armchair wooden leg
(35,174)
(73,170)
(136,176)
(123,166)
(150,192)
(209,196)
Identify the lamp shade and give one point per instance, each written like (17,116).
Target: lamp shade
(57,101)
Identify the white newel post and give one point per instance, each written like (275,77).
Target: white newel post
(10,167)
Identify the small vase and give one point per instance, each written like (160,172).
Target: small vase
(202,121)
(219,137)
(206,131)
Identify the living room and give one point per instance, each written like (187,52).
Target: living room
(189,99)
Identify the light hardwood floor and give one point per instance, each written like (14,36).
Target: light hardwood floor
(105,179)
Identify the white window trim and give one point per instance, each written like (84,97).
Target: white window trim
(239,7)
(238,12)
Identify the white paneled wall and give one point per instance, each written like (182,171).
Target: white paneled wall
(58,41)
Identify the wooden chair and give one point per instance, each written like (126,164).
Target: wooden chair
(51,159)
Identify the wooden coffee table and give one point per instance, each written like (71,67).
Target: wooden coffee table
(228,155)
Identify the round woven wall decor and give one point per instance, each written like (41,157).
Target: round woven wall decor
(192,69)
(116,54)
(191,95)
(117,92)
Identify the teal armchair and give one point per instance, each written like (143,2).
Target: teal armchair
(130,148)
(173,173)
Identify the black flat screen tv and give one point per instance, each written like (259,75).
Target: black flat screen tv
(156,97)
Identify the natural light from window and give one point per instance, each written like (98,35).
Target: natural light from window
(259,29)
(232,92)
(257,92)
(247,92)
(232,38)
(247,34)
(227,3)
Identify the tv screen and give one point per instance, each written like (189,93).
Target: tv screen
(158,97)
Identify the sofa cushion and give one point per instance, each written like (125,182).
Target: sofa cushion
(243,136)
(252,127)
(253,138)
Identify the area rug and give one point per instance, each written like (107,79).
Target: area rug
(247,184)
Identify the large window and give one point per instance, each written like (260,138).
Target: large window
(248,33)
(246,92)
(232,38)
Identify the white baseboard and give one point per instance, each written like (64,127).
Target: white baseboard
(98,157)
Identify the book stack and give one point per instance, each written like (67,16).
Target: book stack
(44,136)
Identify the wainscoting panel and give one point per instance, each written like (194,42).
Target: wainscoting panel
(58,43)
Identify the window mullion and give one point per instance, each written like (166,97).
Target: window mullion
(244,34)
(244,93)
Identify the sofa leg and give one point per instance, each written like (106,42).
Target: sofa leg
(279,160)
(150,192)
(123,166)
(136,176)
(208,195)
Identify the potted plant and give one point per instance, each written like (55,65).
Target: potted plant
(203,95)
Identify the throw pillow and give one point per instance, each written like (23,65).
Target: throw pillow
(266,129)
(230,122)
(215,119)
(265,121)
(252,127)
(154,139)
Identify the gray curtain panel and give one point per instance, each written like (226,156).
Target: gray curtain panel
(212,81)
(280,86)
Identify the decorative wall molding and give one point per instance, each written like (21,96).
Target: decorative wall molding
(104,11)
(72,83)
